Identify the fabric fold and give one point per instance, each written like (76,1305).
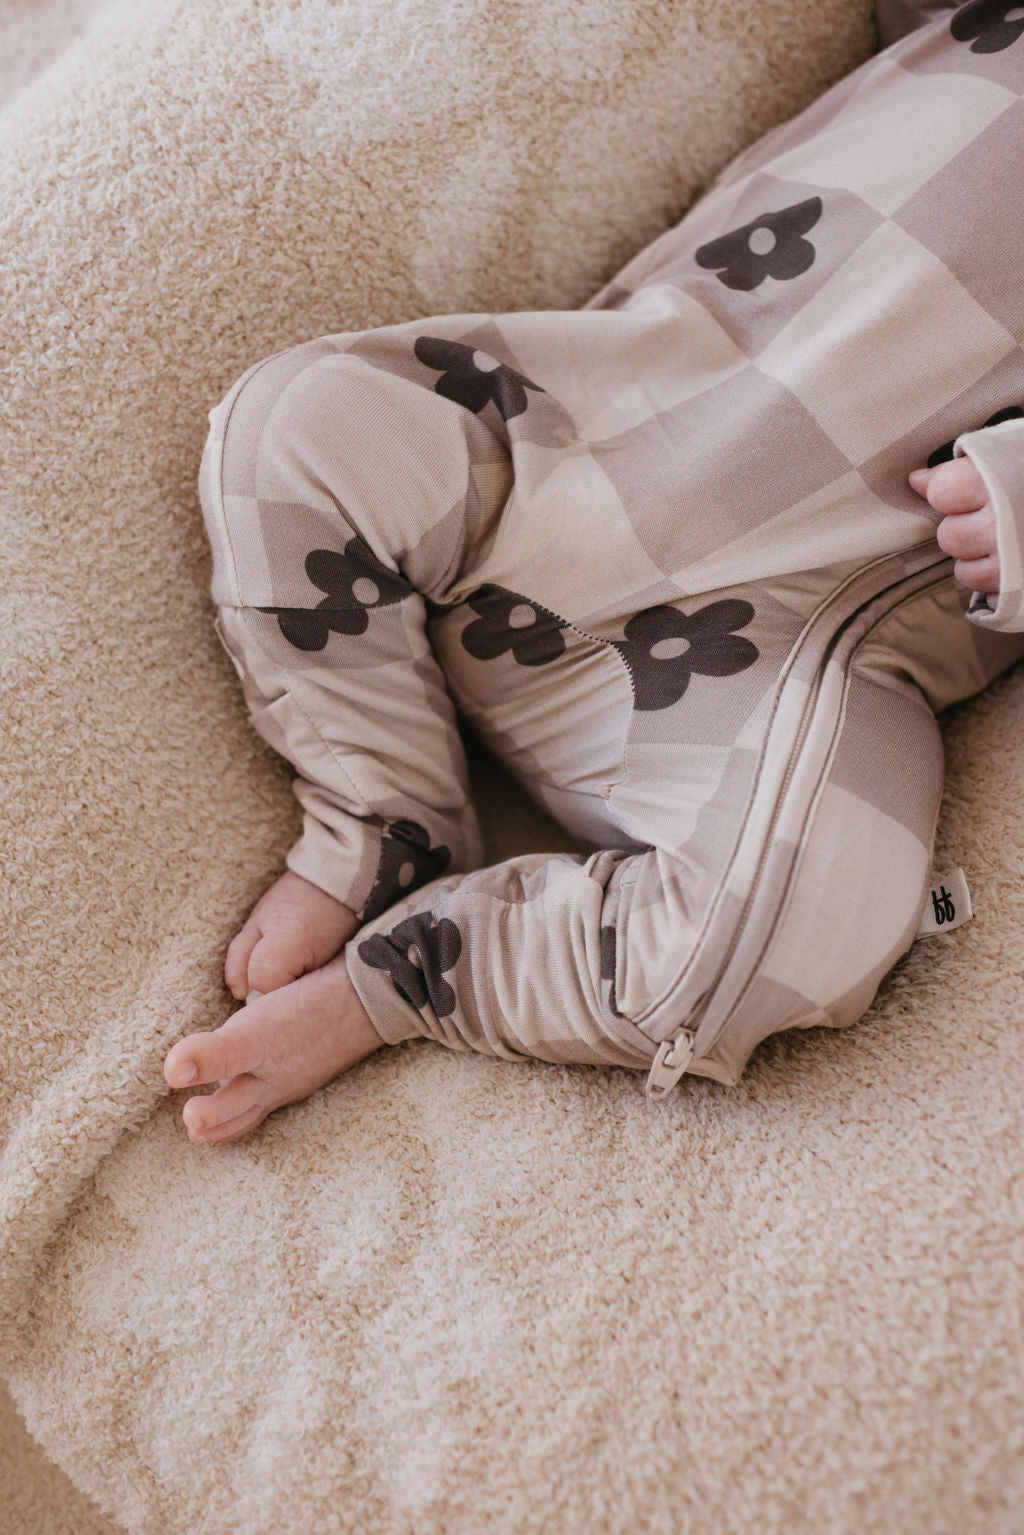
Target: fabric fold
(997,452)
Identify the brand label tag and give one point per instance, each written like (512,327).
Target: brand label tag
(948,905)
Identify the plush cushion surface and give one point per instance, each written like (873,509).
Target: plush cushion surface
(443,1294)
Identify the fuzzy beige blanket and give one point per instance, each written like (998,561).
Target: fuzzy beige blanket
(444,1294)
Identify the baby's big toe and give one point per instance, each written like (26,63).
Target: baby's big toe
(180,1070)
(226,1052)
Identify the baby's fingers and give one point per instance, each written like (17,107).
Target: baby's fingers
(952,488)
(979,575)
(971,536)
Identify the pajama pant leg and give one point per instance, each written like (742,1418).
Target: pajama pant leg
(342,501)
(326,625)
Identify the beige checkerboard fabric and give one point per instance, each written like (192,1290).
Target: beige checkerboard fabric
(662,555)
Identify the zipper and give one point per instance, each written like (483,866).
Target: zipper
(675,1054)
(673,1057)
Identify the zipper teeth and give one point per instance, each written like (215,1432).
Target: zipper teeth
(695,1018)
(809,626)
(801,736)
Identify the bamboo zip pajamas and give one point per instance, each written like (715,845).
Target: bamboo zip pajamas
(661,555)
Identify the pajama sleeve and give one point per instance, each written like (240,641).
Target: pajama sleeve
(997,452)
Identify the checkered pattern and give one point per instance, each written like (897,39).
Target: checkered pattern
(661,553)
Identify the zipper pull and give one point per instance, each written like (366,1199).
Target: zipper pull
(673,1057)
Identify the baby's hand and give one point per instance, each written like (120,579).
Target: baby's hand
(292,930)
(968,527)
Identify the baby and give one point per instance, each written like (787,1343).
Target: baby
(511,514)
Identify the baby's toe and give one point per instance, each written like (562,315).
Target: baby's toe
(230,1051)
(231,1110)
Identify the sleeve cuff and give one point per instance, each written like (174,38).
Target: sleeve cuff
(346,873)
(393,989)
(394,1021)
(366,865)
(997,452)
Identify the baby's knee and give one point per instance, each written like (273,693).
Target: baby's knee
(254,431)
(265,411)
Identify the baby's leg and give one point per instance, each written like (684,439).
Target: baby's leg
(324,483)
(740,929)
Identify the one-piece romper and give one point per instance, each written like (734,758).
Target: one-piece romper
(645,549)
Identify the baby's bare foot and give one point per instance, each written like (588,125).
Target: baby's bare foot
(277,1050)
(293,929)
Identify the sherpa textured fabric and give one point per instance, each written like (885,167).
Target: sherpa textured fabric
(444,1294)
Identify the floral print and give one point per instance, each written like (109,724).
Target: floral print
(663,647)
(416,954)
(508,622)
(472,379)
(988,23)
(354,581)
(406,861)
(738,264)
